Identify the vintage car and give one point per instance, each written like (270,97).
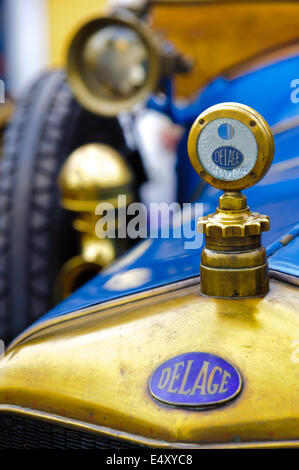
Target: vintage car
(169,346)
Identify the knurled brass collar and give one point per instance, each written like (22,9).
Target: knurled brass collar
(233,219)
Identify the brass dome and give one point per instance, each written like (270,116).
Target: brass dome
(91,174)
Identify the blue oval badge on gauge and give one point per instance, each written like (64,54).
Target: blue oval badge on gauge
(195,379)
(227,158)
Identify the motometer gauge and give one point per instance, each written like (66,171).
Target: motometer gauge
(231,147)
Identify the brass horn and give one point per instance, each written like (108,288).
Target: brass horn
(114,63)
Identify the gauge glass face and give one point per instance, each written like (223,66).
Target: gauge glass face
(119,60)
(227,149)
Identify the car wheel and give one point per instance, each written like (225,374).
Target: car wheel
(36,235)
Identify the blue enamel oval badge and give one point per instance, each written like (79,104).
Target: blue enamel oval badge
(227,158)
(195,379)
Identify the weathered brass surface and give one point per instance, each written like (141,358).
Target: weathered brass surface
(93,371)
(92,174)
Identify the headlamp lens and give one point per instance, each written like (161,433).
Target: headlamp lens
(118,59)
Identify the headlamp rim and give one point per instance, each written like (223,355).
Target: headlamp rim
(111,107)
(258,126)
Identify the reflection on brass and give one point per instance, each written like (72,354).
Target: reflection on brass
(92,174)
(233,262)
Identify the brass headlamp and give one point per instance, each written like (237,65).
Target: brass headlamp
(231,147)
(115,62)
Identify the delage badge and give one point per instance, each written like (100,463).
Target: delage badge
(195,379)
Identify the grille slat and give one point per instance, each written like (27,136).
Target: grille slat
(21,432)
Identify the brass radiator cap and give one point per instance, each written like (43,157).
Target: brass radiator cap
(231,147)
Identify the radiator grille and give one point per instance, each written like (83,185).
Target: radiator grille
(19,432)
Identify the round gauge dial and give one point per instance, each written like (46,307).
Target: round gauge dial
(231,146)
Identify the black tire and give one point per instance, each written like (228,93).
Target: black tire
(36,236)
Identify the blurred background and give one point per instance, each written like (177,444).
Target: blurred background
(215,35)
(34,37)
(34,34)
